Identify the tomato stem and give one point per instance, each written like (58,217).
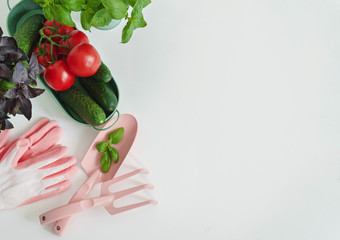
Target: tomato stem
(54,34)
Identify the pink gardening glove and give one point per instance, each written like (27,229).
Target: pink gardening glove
(33,167)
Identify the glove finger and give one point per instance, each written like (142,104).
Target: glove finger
(58,177)
(64,174)
(3,138)
(43,142)
(15,151)
(3,141)
(38,125)
(43,159)
(50,192)
(58,166)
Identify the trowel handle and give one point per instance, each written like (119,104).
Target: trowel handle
(72,208)
(60,225)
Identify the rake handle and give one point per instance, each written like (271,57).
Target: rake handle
(60,225)
(72,208)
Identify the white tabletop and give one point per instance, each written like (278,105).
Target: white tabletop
(238,108)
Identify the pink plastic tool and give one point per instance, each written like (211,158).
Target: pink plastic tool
(91,161)
(106,199)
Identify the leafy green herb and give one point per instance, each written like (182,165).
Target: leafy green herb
(116,8)
(110,154)
(116,136)
(86,18)
(73,5)
(136,20)
(93,3)
(101,147)
(62,14)
(105,162)
(101,18)
(97,13)
(113,154)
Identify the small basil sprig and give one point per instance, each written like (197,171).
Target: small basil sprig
(110,154)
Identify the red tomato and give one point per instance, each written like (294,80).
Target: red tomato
(62,30)
(44,54)
(58,76)
(83,60)
(76,37)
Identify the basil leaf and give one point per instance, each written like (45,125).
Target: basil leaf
(137,9)
(101,18)
(133,2)
(45,3)
(113,154)
(135,21)
(85,18)
(48,13)
(73,5)
(132,25)
(101,147)
(127,32)
(93,3)
(116,8)
(105,162)
(116,136)
(62,15)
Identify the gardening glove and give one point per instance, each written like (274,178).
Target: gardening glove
(33,167)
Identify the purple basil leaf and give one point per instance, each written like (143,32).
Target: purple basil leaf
(25,107)
(2,106)
(20,73)
(24,56)
(28,92)
(8,42)
(6,50)
(13,92)
(38,91)
(5,124)
(34,67)
(3,115)
(5,72)
(41,69)
(12,106)
(30,81)
(33,61)
(8,124)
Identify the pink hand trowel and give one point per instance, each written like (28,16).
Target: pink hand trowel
(91,162)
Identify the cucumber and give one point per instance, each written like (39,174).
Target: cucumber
(27,35)
(101,93)
(87,109)
(103,74)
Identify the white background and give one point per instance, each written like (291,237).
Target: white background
(238,105)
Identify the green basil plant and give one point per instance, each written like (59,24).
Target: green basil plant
(97,13)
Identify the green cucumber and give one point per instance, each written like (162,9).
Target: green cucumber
(27,35)
(103,74)
(101,93)
(87,109)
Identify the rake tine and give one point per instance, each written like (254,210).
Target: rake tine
(129,191)
(115,210)
(127,175)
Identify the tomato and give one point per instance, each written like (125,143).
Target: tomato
(83,60)
(62,30)
(44,53)
(58,76)
(75,38)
